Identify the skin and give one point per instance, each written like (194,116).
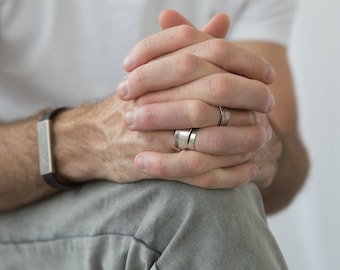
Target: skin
(180,73)
(282,163)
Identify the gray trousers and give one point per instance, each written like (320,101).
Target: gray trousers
(146,225)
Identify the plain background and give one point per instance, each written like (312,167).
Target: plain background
(309,230)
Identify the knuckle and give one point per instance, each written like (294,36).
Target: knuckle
(208,181)
(184,32)
(218,86)
(218,48)
(190,166)
(149,115)
(187,65)
(197,113)
(213,84)
(254,61)
(215,141)
(260,136)
(161,166)
(146,44)
(137,77)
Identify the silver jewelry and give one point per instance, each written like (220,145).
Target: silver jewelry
(182,138)
(225,116)
(192,139)
(45,147)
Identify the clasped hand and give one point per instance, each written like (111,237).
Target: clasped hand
(176,79)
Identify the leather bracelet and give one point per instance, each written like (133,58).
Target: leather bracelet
(45,145)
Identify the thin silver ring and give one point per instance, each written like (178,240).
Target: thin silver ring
(225,116)
(181,138)
(192,140)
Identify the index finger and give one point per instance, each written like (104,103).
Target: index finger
(233,59)
(161,43)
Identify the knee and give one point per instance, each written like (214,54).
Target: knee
(187,200)
(181,212)
(175,204)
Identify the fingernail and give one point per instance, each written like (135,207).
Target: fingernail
(129,118)
(269,74)
(271,102)
(253,172)
(269,133)
(141,162)
(123,88)
(128,62)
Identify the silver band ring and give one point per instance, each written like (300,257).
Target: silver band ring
(182,138)
(225,116)
(192,140)
(185,139)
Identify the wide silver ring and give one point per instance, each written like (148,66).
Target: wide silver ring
(181,138)
(225,116)
(192,140)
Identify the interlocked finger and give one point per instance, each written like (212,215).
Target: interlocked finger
(232,139)
(163,43)
(164,73)
(224,178)
(221,89)
(185,114)
(185,163)
(188,40)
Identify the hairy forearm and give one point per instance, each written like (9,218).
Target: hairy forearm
(292,172)
(20,181)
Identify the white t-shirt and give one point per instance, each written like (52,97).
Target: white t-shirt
(69,52)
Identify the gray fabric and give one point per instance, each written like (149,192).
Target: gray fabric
(146,225)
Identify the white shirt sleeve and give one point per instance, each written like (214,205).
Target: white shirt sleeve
(263,20)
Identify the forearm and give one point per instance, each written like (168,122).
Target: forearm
(77,135)
(20,180)
(293,166)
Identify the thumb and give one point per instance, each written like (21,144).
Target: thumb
(216,27)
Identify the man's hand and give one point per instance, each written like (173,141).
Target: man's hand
(103,148)
(178,77)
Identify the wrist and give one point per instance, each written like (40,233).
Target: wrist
(46,152)
(77,137)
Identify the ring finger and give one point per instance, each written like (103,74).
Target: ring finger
(183,114)
(231,140)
